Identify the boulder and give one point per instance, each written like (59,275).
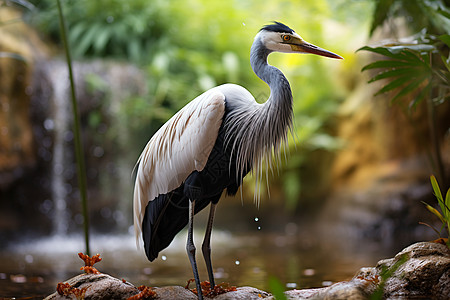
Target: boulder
(97,286)
(421,270)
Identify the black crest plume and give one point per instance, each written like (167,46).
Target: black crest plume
(278,27)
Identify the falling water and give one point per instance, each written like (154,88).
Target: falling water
(58,76)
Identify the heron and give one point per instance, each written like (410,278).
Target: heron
(210,145)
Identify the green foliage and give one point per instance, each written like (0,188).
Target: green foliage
(444,205)
(276,288)
(409,69)
(419,68)
(107,28)
(385,274)
(422,65)
(418,14)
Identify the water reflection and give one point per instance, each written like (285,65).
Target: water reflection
(34,268)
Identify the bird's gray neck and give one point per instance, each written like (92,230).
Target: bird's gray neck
(279,85)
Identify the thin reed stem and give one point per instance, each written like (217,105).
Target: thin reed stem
(81,169)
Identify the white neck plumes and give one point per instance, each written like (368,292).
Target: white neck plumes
(259,130)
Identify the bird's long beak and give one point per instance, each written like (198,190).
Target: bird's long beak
(305,47)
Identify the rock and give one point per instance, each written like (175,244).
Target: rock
(103,286)
(421,270)
(19,48)
(175,292)
(244,293)
(99,286)
(426,272)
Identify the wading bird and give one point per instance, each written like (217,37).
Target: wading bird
(210,145)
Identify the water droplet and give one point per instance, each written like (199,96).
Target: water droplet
(256,219)
(259,227)
(237,262)
(98,151)
(309,272)
(29,258)
(327,283)
(164,257)
(18,278)
(291,285)
(49,124)
(147,271)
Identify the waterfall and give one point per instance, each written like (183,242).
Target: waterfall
(102,88)
(60,122)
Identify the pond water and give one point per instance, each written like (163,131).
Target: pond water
(31,270)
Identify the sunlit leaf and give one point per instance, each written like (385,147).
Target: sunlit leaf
(379,50)
(391,73)
(418,48)
(438,194)
(387,64)
(435,212)
(436,189)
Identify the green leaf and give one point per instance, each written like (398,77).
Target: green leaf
(424,92)
(446,62)
(408,48)
(387,64)
(394,84)
(391,73)
(381,13)
(87,39)
(437,193)
(447,205)
(436,189)
(435,212)
(101,40)
(445,38)
(413,85)
(379,50)
(276,288)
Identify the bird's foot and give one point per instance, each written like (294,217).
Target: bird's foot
(208,291)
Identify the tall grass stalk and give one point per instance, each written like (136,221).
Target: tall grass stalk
(81,169)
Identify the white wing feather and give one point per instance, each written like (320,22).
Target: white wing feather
(181,146)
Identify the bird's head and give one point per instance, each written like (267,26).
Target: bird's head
(280,38)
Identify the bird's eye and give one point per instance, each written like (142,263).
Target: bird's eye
(286,37)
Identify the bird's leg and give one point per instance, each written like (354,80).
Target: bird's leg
(206,246)
(190,248)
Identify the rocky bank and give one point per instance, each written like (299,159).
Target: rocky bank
(421,270)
